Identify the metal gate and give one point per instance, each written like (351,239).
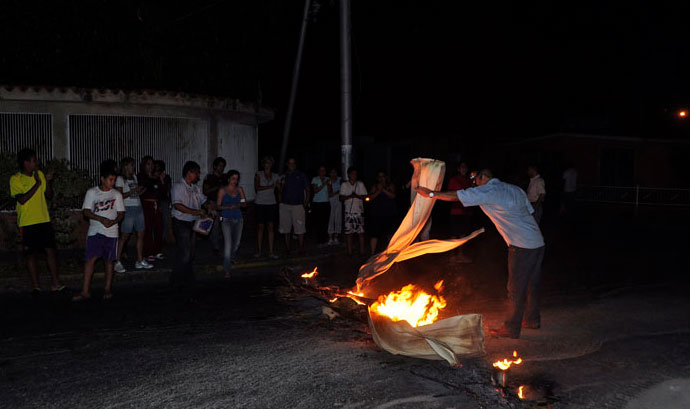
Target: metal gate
(19,130)
(95,138)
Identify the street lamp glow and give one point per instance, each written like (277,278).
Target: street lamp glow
(683,113)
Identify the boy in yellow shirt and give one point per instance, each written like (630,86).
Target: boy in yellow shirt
(30,187)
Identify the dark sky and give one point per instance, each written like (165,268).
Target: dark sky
(420,67)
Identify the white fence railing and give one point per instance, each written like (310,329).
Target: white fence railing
(634,195)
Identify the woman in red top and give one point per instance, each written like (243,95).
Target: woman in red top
(460,216)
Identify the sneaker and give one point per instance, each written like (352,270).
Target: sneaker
(143,264)
(151,258)
(273,256)
(330,242)
(336,242)
(160,256)
(119,268)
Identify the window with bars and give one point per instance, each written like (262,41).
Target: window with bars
(95,138)
(19,130)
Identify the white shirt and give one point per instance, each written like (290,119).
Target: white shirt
(190,196)
(508,208)
(353,205)
(127,185)
(570,178)
(104,204)
(536,187)
(266,196)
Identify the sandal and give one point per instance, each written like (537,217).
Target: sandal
(81,297)
(107,296)
(57,289)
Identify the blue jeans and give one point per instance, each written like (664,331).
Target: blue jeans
(215,234)
(232,234)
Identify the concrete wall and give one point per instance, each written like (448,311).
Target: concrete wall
(239,145)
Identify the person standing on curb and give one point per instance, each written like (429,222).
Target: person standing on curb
(188,203)
(104,207)
(335,220)
(294,189)
(212,183)
(352,193)
(30,188)
(321,206)
(265,184)
(508,208)
(128,185)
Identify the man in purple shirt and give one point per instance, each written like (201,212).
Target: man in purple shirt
(294,189)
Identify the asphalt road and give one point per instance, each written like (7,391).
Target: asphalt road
(615,334)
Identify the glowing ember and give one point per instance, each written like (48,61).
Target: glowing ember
(506,363)
(310,275)
(333,300)
(411,304)
(521,393)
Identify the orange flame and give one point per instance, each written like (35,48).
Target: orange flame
(506,363)
(310,275)
(360,294)
(411,304)
(521,393)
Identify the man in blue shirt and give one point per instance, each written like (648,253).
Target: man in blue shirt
(510,211)
(294,189)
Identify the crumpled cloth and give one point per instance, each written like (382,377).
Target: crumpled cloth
(447,339)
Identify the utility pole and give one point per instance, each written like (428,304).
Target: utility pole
(345,88)
(293,90)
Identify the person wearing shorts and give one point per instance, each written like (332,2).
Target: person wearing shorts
(352,193)
(128,186)
(31,188)
(104,207)
(294,188)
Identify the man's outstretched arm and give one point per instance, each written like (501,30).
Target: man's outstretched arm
(448,196)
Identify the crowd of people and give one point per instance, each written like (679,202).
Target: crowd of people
(145,204)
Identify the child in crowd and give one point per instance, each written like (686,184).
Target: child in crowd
(128,185)
(105,208)
(30,188)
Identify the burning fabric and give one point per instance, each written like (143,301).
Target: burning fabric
(405,322)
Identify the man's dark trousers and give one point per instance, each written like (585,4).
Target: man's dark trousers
(183,274)
(524,277)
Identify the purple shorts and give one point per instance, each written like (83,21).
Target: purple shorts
(100,246)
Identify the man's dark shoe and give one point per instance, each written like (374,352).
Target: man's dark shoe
(527,325)
(503,333)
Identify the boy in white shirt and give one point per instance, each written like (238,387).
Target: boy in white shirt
(352,193)
(105,208)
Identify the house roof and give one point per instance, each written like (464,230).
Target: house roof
(142,97)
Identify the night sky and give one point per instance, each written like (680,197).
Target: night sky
(494,70)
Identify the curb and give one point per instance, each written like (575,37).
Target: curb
(161,274)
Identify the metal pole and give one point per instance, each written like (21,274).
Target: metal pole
(345,88)
(293,90)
